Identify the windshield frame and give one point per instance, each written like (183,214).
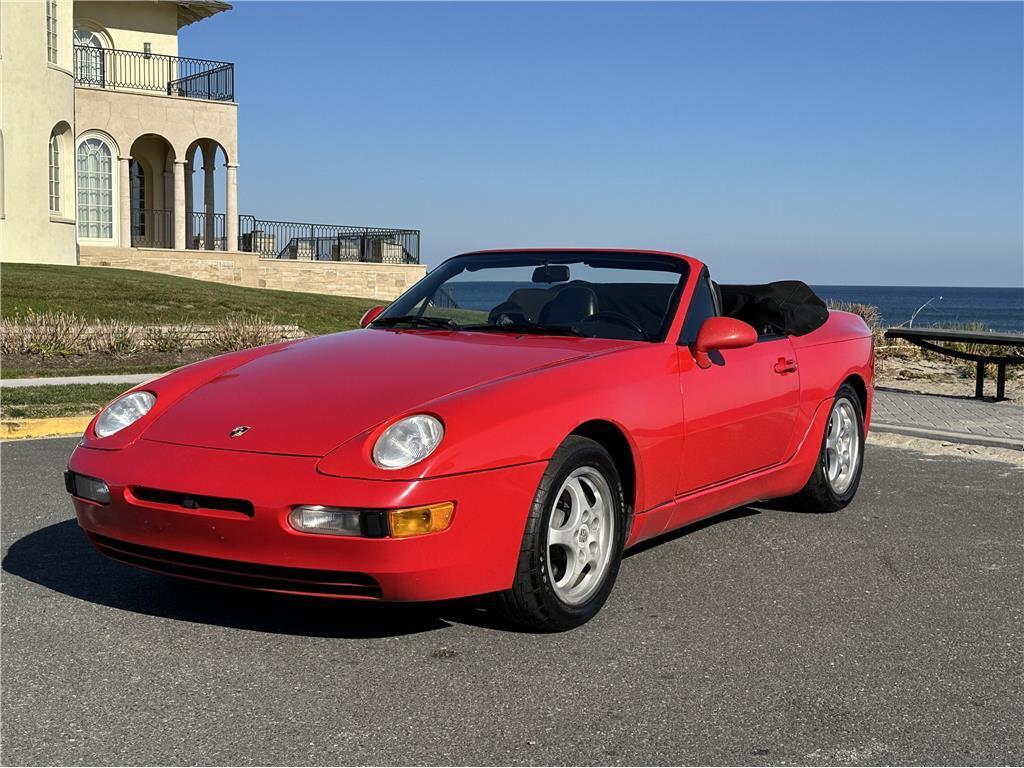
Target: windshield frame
(407,303)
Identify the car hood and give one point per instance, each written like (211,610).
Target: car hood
(307,398)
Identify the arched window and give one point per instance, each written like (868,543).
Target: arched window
(95,166)
(55,171)
(89,62)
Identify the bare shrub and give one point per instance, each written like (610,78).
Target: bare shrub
(242,332)
(45,333)
(11,337)
(57,333)
(171,338)
(115,337)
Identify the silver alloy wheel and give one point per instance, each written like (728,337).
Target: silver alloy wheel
(842,445)
(581,535)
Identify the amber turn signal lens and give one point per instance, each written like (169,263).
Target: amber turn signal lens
(415,521)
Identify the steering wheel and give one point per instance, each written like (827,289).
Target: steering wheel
(621,319)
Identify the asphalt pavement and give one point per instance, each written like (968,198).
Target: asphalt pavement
(889,633)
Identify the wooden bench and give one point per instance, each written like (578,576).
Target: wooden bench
(932,338)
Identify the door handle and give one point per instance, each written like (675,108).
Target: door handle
(785,365)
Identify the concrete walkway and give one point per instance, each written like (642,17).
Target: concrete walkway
(126,379)
(951,418)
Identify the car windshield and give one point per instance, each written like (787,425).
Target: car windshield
(600,295)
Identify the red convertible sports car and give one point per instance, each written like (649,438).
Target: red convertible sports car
(509,425)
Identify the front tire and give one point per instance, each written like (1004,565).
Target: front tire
(572,543)
(836,476)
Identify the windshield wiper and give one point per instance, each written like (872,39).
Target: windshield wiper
(521,327)
(414,320)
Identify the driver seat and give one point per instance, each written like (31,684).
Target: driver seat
(569,306)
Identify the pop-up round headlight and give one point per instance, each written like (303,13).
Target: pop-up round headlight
(407,441)
(123,412)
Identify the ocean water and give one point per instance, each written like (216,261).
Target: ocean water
(996,309)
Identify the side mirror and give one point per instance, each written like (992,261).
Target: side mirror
(721,333)
(370,315)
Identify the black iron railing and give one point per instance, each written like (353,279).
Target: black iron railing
(208,232)
(327,242)
(152,228)
(172,75)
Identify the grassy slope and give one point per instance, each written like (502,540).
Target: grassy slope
(143,297)
(64,400)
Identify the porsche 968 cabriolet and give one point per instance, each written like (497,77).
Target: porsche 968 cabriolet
(507,427)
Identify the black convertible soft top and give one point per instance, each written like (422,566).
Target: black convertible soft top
(786,306)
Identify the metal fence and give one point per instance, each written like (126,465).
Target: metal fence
(327,242)
(173,75)
(152,228)
(208,232)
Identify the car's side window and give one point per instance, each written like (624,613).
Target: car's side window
(702,306)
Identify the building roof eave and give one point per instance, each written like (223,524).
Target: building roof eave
(191,11)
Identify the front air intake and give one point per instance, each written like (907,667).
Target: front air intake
(236,573)
(193,501)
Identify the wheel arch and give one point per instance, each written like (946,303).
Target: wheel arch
(861,389)
(614,440)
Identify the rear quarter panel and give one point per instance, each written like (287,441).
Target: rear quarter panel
(840,349)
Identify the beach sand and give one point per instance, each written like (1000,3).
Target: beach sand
(946,448)
(941,377)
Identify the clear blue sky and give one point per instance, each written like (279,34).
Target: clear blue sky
(867,143)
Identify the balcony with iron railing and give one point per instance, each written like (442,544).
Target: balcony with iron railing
(288,240)
(155,72)
(327,242)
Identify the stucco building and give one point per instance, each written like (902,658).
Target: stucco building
(117,151)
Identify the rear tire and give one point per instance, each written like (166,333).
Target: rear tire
(572,543)
(836,475)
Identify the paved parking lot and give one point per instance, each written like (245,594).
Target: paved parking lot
(889,633)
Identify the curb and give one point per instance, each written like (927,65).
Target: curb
(23,429)
(950,437)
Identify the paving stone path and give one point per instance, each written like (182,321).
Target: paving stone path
(957,419)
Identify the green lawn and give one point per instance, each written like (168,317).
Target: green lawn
(64,400)
(147,298)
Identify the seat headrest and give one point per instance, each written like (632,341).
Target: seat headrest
(570,305)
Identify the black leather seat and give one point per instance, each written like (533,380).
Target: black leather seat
(523,304)
(570,305)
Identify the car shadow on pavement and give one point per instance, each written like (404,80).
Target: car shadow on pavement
(59,557)
(686,530)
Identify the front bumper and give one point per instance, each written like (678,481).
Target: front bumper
(252,545)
